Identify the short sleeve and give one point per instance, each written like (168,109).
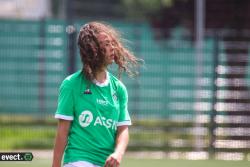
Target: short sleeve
(65,105)
(124,117)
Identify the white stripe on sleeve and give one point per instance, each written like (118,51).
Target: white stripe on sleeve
(124,123)
(64,117)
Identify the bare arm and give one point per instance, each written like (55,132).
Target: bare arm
(122,139)
(60,141)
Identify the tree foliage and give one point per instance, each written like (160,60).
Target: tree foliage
(144,9)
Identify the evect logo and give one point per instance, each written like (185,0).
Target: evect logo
(85,118)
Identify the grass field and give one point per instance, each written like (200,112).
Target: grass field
(130,162)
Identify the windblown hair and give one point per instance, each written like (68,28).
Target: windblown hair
(93,56)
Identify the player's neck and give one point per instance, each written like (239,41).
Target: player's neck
(101,76)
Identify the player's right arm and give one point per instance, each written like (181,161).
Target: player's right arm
(60,141)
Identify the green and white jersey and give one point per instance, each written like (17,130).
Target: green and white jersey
(95,116)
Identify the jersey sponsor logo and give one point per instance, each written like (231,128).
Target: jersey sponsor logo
(102,102)
(102,121)
(86,118)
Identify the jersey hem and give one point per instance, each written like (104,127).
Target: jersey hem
(64,117)
(81,163)
(82,159)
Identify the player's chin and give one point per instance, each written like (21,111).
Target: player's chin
(107,63)
(111,61)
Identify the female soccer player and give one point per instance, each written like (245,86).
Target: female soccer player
(92,110)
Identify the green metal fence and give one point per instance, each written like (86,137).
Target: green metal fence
(33,59)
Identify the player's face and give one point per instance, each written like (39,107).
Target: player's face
(107,46)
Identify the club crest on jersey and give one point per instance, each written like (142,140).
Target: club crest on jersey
(115,96)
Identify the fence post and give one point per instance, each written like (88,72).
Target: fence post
(212,125)
(41,61)
(71,33)
(136,86)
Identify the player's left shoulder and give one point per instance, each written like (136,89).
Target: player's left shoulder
(116,82)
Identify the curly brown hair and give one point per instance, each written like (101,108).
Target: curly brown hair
(92,55)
